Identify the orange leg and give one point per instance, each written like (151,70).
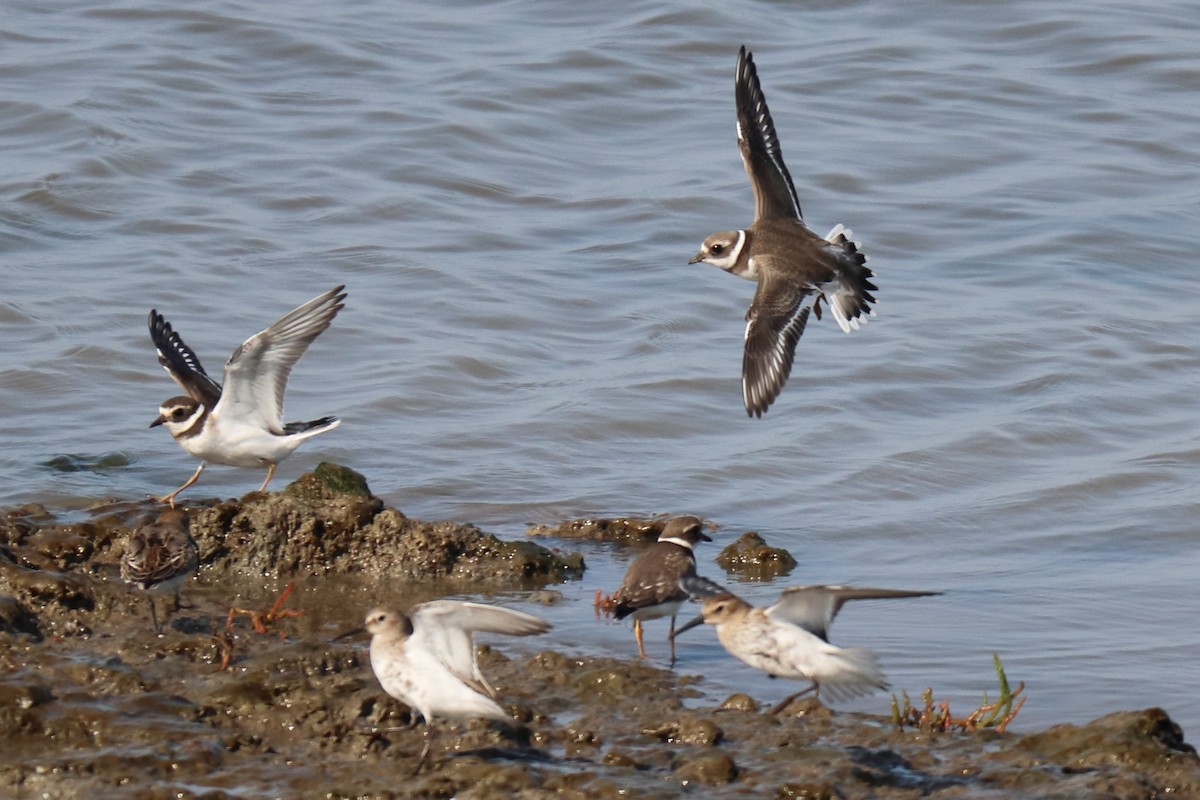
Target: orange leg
(170,498)
(637,634)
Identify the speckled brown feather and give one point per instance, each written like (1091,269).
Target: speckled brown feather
(653,578)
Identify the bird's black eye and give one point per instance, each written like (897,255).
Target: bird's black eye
(178,413)
(716,248)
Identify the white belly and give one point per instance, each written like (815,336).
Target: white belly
(239,445)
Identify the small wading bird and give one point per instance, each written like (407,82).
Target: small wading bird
(651,587)
(426,658)
(790,638)
(159,557)
(789,261)
(241,424)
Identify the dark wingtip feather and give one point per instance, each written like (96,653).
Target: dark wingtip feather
(698,587)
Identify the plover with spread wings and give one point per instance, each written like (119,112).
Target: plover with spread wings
(241,423)
(790,263)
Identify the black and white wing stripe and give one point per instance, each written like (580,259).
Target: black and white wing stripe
(257,373)
(774,193)
(774,325)
(181,363)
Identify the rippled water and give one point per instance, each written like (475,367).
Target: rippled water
(511,193)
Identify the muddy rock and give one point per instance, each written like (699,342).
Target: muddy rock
(327,522)
(62,576)
(739,702)
(16,619)
(687,730)
(750,557)
(60,548)
(304,717)
(709,768)
(1117,752)
(626,530)
(32,584)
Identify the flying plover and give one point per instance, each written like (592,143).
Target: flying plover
(789,261)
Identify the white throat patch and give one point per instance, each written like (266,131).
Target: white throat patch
(177,428)
(678,541)
(729,259)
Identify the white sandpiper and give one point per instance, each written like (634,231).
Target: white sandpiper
(426,658)
(790,638)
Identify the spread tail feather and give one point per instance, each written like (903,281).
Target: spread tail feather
(311,428)
(851,297)
(849,672)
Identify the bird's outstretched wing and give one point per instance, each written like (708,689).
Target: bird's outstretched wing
(256,375)
(774,324)
(447,626)
(814,607)
(699,587)
(181,363)
(774,193)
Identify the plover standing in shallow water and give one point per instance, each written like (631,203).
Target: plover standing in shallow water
(426,658)
(651,589)
(241,424)
(159,557)
(790,638)
(789,261)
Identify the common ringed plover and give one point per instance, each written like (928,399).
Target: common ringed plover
(789,261)
(241,424)
(650,589)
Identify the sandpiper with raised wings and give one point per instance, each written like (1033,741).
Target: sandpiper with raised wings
(425,658)
(241,423)
(790,639)
(157,558)
(650,589)
(789,261)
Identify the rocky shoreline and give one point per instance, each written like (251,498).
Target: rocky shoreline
(95,704)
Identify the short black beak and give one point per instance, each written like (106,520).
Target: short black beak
(349,633)
(687,626)
(704,537)
(696,259)
(159,420)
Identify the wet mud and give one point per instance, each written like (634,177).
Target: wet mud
(94,704)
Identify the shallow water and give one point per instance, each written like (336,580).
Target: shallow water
(511,194)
